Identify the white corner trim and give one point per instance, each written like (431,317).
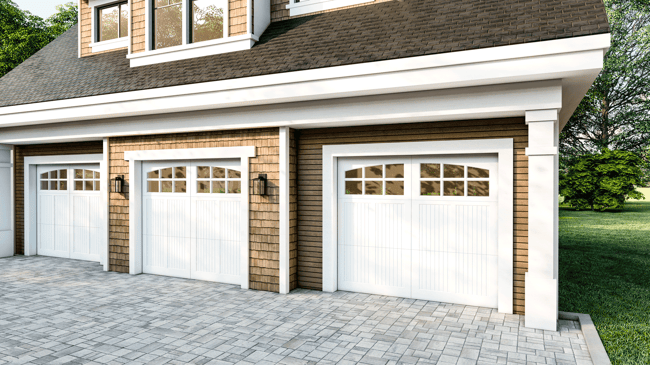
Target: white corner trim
(110,44)
(285,172)
(533,116)
(577,59)
(30,179)
(193,50)
(502,147)
(190,153)
(312,6)
(106,181)
(136,158)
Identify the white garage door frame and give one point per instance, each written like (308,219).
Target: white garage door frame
(504,148)
(31,181)
(136,158)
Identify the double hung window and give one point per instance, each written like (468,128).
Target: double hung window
(112,22)
(202,20)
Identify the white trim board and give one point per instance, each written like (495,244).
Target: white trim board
(577,61)
(502,147)
(312,6)
(483,102)
(136,158)
(284,169)
(30,197)
(7,225)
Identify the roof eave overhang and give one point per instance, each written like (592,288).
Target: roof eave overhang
(576,61)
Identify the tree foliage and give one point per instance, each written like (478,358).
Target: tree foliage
(602,180)
(23,34)
(615,113)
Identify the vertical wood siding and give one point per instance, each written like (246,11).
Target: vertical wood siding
(40,150)
(264,210)
(310,145)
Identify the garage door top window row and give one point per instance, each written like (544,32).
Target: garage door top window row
(83,180)
(209,179)
(435,179)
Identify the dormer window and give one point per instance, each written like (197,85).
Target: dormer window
(301,7)
(110,28)
(181,29)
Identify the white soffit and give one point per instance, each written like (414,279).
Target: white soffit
(578,60)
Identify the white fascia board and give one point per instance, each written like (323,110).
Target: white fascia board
(558,59)
(483,102)
(312,6)
(190,154)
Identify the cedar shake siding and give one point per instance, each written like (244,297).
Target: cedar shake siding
(264,210)
(40,150)
(310,150)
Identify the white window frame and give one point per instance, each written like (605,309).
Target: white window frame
(312,6)
(136,158)
(122,42)
(505,205)
(31,181)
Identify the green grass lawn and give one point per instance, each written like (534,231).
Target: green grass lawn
(605,272)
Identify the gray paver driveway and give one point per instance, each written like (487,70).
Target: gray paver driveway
(57,311)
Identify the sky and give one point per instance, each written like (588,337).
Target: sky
(42,8)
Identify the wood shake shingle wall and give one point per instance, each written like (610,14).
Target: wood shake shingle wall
(40,150)
(264,210)
(310,149)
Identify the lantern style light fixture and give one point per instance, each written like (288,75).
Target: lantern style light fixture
(118,185)
(259,185)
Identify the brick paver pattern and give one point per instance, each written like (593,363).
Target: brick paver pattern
(59,311)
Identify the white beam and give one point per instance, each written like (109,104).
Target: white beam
(285,258)
(6,201)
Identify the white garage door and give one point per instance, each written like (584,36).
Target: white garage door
(192,219)
(69,211)
(419,227)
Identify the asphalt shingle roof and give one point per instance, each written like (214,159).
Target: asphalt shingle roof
(383,31)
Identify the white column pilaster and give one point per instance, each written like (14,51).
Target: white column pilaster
(285,258)
(541,278)
(6,201)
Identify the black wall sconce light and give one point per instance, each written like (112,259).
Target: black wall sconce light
(118,184)
(259,185)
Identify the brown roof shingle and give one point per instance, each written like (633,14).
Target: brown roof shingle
(383,31)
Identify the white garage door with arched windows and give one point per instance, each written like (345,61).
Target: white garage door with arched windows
(69,212)
(422,227)
(191,213)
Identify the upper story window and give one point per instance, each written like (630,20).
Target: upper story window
(206,21)
(300,7)
(112,22)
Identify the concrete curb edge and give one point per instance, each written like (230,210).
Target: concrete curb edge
(594,343)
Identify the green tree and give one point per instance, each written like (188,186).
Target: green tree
(602,180)
(615,113)
(23,34)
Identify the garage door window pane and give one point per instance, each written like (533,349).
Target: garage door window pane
(234,187)
(180,187)
(78,185)
(234,174)
(218,187)
(53,185)
(430,188)
(430,170)
(478,188)
(218,173)
(203,172)
(78,174)
(353,188)
(454,188)
(373,188)
(203,187)
(166,187)
(395,171)
(96,175)
(153,175)
(63,185)
(166,173)
(354,174)
(153,186)
(89,185)
(63,174)
(454,171)
(475,172)
(373,172)
(394,187)
(53,174)
(179,172)
(97,186)
(44,185)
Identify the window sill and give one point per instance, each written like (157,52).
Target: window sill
(194,50)
(110,44)
(312,6)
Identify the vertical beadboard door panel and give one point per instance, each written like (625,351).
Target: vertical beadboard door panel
(454,236)
(374,244)
(86,205)
(166,218)
(53,212)
(216,222)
